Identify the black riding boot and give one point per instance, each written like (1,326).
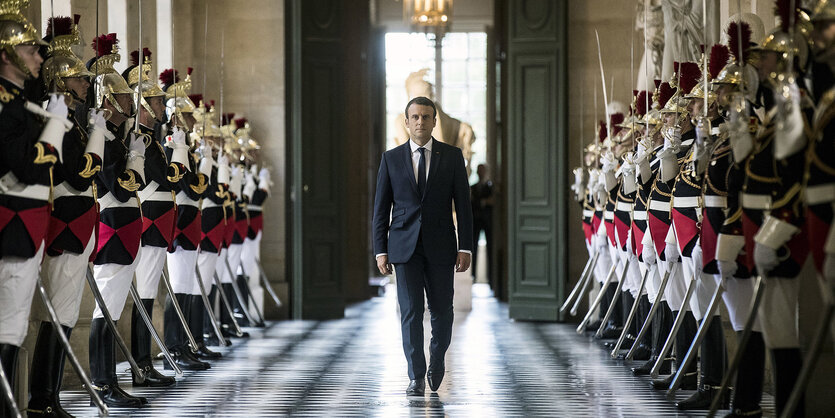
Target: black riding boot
(748,389)
(140,347)
(195,324)
(243,320)
(178,343)
(208,331)
(8,357)
(683,339)
(787,364)
(712,363)
(103,368)
(226,320)
(47,371)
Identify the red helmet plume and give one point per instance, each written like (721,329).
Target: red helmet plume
(104,43)
(719,55)
(734,41)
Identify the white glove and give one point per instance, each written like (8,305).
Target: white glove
(206,164)
(136,154)
(264,181)
(628,170)
(775,232)
(236,181)
(610,164)
(671,254)
(177,142)
(726,268)
(765,258)
(696,255)
(253,169)
(223,169)
(648,254)
(250,186)
(98,133)
(57,125)
(788,132)
(740,137)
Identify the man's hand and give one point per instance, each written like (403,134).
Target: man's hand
(462,263)
(383,264)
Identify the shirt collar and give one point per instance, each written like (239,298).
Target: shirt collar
(414,146)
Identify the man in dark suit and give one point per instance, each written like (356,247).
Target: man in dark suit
(417,184)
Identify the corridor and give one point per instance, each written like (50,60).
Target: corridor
(355,367)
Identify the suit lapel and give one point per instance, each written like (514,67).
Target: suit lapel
(434,163)
(409,170)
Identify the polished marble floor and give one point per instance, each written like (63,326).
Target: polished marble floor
(355,367)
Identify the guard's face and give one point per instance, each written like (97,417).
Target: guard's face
(78,85)
(695,109)
(420,120)
(669,118)
(188,118)
(30,57)
(158,106)
(125,102)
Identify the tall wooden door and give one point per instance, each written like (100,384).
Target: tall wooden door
(536,155)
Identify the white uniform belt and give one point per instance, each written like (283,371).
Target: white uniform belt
(109,201)
(11,186)
(183,199)
(639,215)
(712,201)
(64,189)
(686,202)
(156,197)
(659,205)
(623,206)
(259,209)
(588,213)
(756,201)
(209,204)
(822,193)
(609,216)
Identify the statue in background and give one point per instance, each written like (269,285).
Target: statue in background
(448,129)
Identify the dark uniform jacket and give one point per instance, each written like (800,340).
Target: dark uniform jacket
(189,190)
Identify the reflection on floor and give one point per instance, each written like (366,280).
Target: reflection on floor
(355,367)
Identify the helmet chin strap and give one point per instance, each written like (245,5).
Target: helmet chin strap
(18,62)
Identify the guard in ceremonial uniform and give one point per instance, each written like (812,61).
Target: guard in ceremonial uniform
(71,237)
(120,222)
(29,153)
(771,198)
(722,215)
(686,213)
(678,135)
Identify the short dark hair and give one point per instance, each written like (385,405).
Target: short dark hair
(423,101)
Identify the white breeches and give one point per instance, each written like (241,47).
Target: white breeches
(114,282)
(181,264)
(738,296)
(64,277)
(149,270)
(18,277)
(778,312)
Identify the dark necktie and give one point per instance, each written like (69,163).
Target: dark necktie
(421,180)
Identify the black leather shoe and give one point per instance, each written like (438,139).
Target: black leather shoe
(739,413)
(702,399)
(435,376)
(184,361)
(610,333)
(153,378)
(214,342)
(646,368)
(628,341)
(416,388)
(50,409)
(641,353)
(594,326)
(204,352)
(688,383)
(115,397)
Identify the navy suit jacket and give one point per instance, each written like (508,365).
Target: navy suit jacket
(428,216)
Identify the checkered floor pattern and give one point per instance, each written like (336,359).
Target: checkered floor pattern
(355,367)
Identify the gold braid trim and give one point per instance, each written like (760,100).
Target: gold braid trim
(43,157)
(734,217)
(794,191)
(177,175)
(89,170)
(130,184)
(201,185)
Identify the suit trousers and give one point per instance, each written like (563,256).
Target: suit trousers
(416,276)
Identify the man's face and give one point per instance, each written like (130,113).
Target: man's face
(189,120)
(695,108)
(158,106)
(824,34)
(421,120)
(77,85)
(669,118)
(125,102)
(30,56)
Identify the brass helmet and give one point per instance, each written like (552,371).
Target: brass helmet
(177,92)
(243,133)
(824,10)
(147,86)
(16,30)
(108,81)
(688,77)
(204,116)
(61,62)
(719,55)
(791,37)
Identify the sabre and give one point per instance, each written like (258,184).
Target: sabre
(631,316)
(583,292)
(226,304)
(605,96)
(8,393)
(618,292)
(581,282)
(137,302)
(238,294)
(208,306)
(141,72)
(597,299)
(652,311)
(668,344)
(108,319)
(700,336)
(178,309)
(740,349)
(267,284)
(251,297)
(62,337)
